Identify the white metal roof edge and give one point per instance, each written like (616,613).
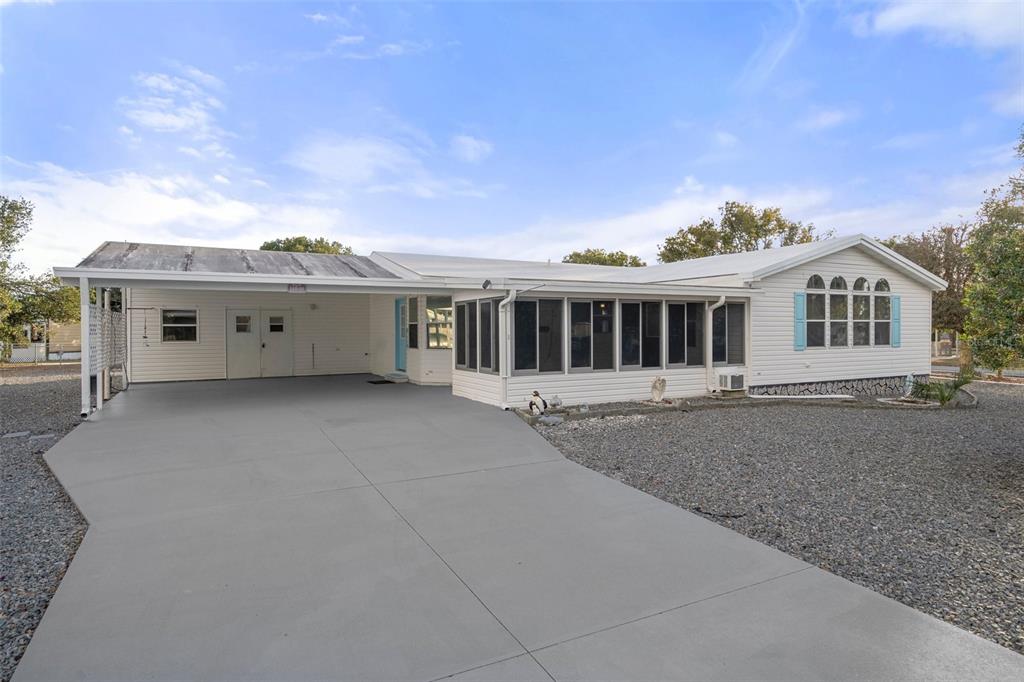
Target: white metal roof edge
(388,264)
(157,278)
(830,246)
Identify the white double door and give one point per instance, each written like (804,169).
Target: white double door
(259,343)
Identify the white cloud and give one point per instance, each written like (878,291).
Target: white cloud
(321,18)
(75,212)
(989,25)
(774,48)
(690,184)
(1009,102)
(375,164)
(221,179)
(167,103)
(725,139)
(352,160)
(470,149)
(984,24)
(908,141)
(824,119)
(129,134)
(349,40)
(384,50)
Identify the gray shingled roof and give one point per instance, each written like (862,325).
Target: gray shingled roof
(170,258)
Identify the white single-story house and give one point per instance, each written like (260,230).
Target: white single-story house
(843,314)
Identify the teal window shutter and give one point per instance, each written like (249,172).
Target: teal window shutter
(799,320)
(896,321)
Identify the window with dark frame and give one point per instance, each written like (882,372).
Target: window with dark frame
(676,333)
(460,337)
(413,315)
(629,345)
(650,346)
(179,325)
(735,338)
(695,333)
(525,335)
(471,336)
(486,348)
(728,337)
(580,334)
(549,335)
(604,335)
(495,336)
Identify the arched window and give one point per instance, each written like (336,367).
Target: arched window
(861,284)
(881,285)
(815,282)
(837,283)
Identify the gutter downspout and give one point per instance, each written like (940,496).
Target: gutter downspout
(503,306)
(708,361)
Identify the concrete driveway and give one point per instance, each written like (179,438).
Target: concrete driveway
(327,528)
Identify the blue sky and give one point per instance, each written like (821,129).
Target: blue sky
(506,130)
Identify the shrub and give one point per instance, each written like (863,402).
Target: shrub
(940,391)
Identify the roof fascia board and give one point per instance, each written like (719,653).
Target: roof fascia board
(229,281)
(171,276)
(834,246)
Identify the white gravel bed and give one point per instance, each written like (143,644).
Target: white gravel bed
(40,528)
(926,507)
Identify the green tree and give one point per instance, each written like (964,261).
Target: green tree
(741,227)
(301,244)
(26,299)
(941,250)
(602,257)
(995,295)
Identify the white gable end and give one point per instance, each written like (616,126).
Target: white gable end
(774,359)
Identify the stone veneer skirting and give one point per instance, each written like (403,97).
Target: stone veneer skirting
(876,386)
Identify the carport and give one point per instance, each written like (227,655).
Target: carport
(327,528)
(187,313)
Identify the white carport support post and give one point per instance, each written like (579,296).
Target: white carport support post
(83,293)
(100,345)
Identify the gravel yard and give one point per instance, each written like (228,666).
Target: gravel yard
(41,527)
(924,506)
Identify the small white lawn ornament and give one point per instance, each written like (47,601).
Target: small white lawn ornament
(658,389)
(908,385)
(555,402)
(537,404)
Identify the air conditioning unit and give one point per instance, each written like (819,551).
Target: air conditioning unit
(731,381)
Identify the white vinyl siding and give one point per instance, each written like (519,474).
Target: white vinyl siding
(482,386)
(773,359)
(427,365)
(604,387)
(382,334)
(333,338)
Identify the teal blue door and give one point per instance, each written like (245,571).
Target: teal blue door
(401,332)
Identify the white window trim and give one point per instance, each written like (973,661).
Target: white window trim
(590,369)
(875,319)
(675,365)
(195,309)
(872,295)
(536,336)
(746,322)
(426,325)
